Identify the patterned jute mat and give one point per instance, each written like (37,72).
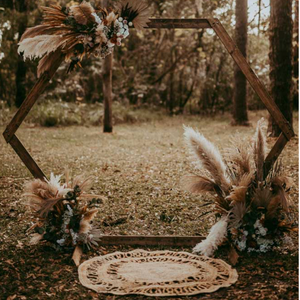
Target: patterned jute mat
(158,273)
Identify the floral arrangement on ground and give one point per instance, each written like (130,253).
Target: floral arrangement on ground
(252,207)
(63,213)
(79,30)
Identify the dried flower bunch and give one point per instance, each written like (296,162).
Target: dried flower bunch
(80,30)
(253,209)
(63,217)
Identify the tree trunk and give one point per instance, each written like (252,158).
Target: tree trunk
(107,87)
(296,57)
(281,54)
(240,114)
(21,7)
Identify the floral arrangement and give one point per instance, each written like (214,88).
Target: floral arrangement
(80,30)
(252,207)
(61,218)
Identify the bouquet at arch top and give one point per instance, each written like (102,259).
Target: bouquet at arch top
(253,211)
(80,30)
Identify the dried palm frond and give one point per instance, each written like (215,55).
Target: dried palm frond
(207,156)
(83,13)
(54,15)
(135,11)
(237,214)
(259,150)
(261,197)
(238,193)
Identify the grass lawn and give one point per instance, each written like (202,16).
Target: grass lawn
(138,168)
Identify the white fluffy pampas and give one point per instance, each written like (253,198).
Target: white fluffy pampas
(206,156)
(216,237)
(40,45)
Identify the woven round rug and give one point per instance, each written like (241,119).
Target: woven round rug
(157,273)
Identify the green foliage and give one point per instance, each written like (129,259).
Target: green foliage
(49,113)
(180,70)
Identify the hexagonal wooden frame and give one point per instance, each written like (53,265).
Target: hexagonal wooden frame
(287,131)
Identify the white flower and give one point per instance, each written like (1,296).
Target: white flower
(61,242)
(130,24)
(263,231)
(74,236)
(264,248)
(7,25)
(241,245)
(120,19)
(100,35)
(257,224)
(97,18)
(110,44)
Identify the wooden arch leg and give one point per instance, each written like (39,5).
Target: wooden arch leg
(12,127)
(287,130)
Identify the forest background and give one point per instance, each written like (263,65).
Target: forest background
(155,71)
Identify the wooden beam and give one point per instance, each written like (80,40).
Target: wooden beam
(252,78)
(274,154)
(30,100)
(26,158)
(131,240)
(178,23)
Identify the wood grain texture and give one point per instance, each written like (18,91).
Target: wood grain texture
(252,78)
(30,100)
(130,240)
(178,23)
(26,158)
(274,154)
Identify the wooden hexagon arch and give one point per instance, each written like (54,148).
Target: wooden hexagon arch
(287,131)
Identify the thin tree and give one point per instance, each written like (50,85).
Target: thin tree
(296,56)
(240,114)
(22,8)
(281,55)
(107,87)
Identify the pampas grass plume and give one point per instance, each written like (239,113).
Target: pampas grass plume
(216,237)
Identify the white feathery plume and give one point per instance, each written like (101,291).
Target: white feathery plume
(54,182)
(216,237)
(207,156)
(40,45)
